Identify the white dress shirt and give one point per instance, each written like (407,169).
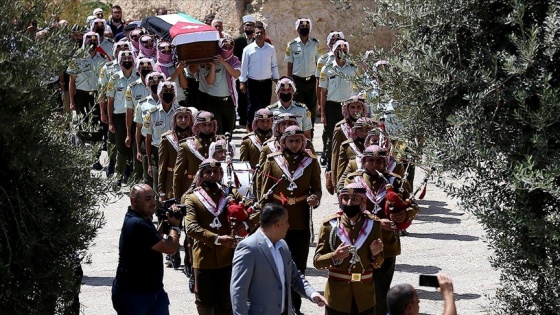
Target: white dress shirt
(275,250)
(259,63)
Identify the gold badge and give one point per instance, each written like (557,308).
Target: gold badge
(351,191)
(288,50)
(147,118)
(308,114)
(128,95)
(264,116)
(146,124)
(356,277)
(146,64)
(110,86)
(212,164)
(208,119)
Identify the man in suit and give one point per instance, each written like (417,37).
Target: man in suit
(256,258)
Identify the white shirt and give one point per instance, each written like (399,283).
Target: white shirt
(275,250)
(259,63)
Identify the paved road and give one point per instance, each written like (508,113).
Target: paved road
(442,238)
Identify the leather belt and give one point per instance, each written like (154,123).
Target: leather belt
(335,103)
(291,200)
(220,98)
(263,80)
(350,277)
(170,168)
(304,78)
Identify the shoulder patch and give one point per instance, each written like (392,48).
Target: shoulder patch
(153,109)
(272,106)
(314,39)
(142,99)
(133,84)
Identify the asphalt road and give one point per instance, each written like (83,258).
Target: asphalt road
(442,238)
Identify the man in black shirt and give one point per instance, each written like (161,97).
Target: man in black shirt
(138,285)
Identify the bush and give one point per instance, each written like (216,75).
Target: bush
(49,201)
(480,80)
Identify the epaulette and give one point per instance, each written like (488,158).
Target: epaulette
(133,84)
(298,104)
(168,132)
(314,39)
(247,135)
(114,76)
(328,219)
(353,65)
(347,142)
(272,105)
(153,109)
(110,40)
(108,63)
(325,55)
(271,155)
(143,99)
(292,42)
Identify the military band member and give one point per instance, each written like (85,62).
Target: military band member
(378,182)
(322,61)
(181,129)
(352,109)
(157,122)
(336,83)
(302,55)
(193,151)
(350,247)
(116,108)
(300,191)
(214,239)
(285,89)
(353,147)
(252,143)
(136,91)
(142,109)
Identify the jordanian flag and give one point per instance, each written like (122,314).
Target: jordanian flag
(180,29)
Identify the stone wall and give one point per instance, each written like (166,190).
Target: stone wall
(279,17)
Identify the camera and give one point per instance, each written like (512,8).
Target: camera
(166,205)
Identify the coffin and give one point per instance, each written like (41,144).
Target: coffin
(195,41)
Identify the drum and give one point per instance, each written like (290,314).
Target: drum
(243,172)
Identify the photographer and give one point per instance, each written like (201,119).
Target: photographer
(138,285)
(403,299)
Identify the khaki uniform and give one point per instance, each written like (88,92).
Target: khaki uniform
(307,184)
(302,113)
(353,167)
(339,293)
(187,164)
(167,151)
(339,136)
(347,152)
(251,146)
(135,92)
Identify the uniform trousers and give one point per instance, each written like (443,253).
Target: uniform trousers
(89,111)
(333,111)
(306,93)
(124,153)
(353,310)
(192,95)
(155,167)
(383,278)
(259,93)
(137,167)
(212,291)
(298,243)
(241,105)
(223,110)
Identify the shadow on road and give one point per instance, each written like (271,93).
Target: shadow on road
(417,269)
(446,236)
(316,273)
(98,281)
(436,296)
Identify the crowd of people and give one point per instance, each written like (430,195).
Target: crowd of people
(248,222)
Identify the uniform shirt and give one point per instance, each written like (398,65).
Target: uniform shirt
(135,91)
(339,87)
(259,63)
(297,109)
(86,70)
(142,109)
(116,88)
(220,87)
(157,122)
(105,74)
(107,45)
(322,61)
(180,92)
(303,56)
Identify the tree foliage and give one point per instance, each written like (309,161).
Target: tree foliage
(49,202)
(480,80)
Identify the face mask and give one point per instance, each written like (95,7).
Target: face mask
(303,31)
(249,32)
(127,64)
(145,72)
(351,210)
(340,54)
(205,135)
(168,97)
(154,88)
(100,31)
(163,58)
(226,54)
(286,97)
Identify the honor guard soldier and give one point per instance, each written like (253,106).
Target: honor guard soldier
(300,191)
(116,108)
(165,65)
(105,44)
(336,88)
(382,189)
(323,60)
(353,147)
(136,91)
(285,89)
(251,144)
(207,222)
(352,109)
(350,246)
(193,151)
(143,108)
(157,122)
(302,55)
(105,74)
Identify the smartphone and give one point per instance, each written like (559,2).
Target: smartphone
(428,281)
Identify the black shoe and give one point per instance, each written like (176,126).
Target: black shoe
(191,284)
(403,233)
(110,169)
(323,160)
(296,312)
(187,270)
(176,260)
(97,166)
